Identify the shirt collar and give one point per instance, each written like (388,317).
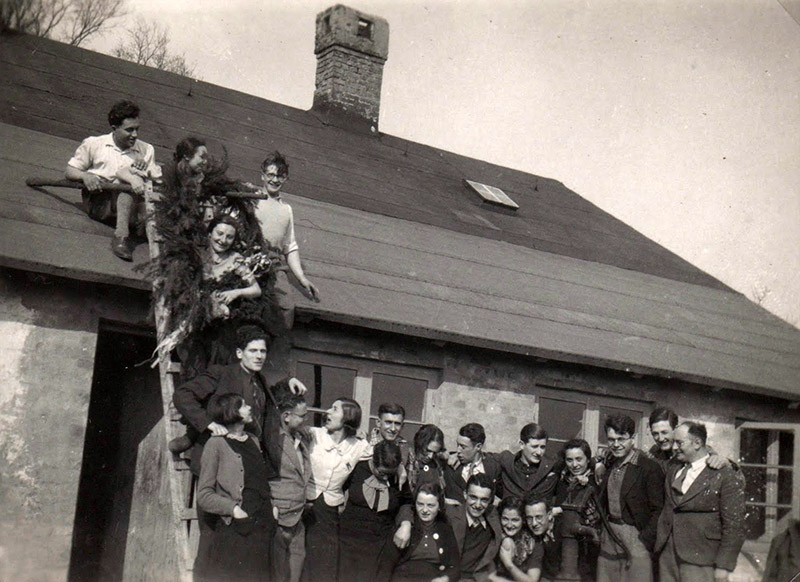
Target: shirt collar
(699,464)
(472,521)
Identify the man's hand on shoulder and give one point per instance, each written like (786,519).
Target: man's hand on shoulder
(717,462)
(217,429)
(403,535)
(297,387)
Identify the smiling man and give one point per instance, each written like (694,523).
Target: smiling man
(100,159)
(472,460)
(529,472)
(632,496)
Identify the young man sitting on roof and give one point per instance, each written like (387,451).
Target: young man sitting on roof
(112,158)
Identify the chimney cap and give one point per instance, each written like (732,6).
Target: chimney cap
(341,25)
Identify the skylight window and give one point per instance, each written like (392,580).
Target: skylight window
(492,195)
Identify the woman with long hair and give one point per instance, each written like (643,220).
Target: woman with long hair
(233,485)
(424,460)
(334,452)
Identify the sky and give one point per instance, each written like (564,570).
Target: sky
(679,117)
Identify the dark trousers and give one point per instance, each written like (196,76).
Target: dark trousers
(322,542)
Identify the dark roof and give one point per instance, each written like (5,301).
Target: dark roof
(378,264)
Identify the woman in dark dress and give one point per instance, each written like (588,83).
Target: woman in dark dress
(233,485)
(577,490)
(367,522)
(432,554)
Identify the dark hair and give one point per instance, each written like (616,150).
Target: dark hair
(224,409)
(663,413)
(697,430)
(576,444)
(250,333)
(351,415)
(287,401)
(186,147)
(621,424)
(481,480)
(122,110)
(431,488)
(223,218)
(391,408)
(534,498)
(427,434)
(511,502)
(386,454)
(532,431)
(474,432)
(278,160)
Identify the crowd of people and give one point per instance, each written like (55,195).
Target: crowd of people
(282,501)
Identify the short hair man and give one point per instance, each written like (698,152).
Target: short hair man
(471,461)
(541,520)
(289,488)
(701,529)
(632,496)
(109,158)
(662,424)
(529,472)
(391,418)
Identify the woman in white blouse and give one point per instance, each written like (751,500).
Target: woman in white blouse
(335,450)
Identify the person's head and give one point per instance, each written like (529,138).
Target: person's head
(293,410)
(229,409)
(274,172)
(222,233)
(192,151)
(344,414)
(479,494)
(576,454)
(428,442)
(538,515)
(386,458)
(469,442)
(252,344)
(124,121)
(662,422)
(390,420)
(428,500)
(512,515)
(533,443)
(620,433)
(689,441)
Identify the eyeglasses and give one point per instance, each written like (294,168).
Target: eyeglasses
(274,176)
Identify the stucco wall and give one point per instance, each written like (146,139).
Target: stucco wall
(48,333)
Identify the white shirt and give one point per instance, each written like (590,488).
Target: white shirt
(101,156)
(694,470)
(471,469)
(331,464)
(277,223)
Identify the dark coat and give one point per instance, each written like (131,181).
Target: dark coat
(191,399)
(455,486)
(641,497)
(707,522)
(391,556)
(542,484)
(457,516)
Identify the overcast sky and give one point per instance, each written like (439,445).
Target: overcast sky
(680,117)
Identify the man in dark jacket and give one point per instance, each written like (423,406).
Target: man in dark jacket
(471,461)
(632,496)
(701,528)
(531,472)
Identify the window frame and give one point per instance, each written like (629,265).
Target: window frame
(365,370)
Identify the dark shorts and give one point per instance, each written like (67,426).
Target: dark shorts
(100,206)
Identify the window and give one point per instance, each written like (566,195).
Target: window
(770,466)
(369,382)
(491,194)
(364,28)
(568,414)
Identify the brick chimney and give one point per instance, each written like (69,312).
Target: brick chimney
(351,48)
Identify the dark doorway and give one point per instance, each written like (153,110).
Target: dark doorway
(124,407)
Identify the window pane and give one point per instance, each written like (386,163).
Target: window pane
(753,445)
(563,420)
(785,448)
(755,488)
(785,486)
(407,392)
(754,522)
(325,384)
(606,411)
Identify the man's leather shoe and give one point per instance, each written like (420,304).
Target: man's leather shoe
(122,248)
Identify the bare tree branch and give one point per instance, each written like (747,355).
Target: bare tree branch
(148,44)
(72,21)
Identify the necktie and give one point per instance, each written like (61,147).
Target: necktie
(677,484)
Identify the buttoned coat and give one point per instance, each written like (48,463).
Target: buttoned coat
(221,481)
(706,522)
(542,485)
